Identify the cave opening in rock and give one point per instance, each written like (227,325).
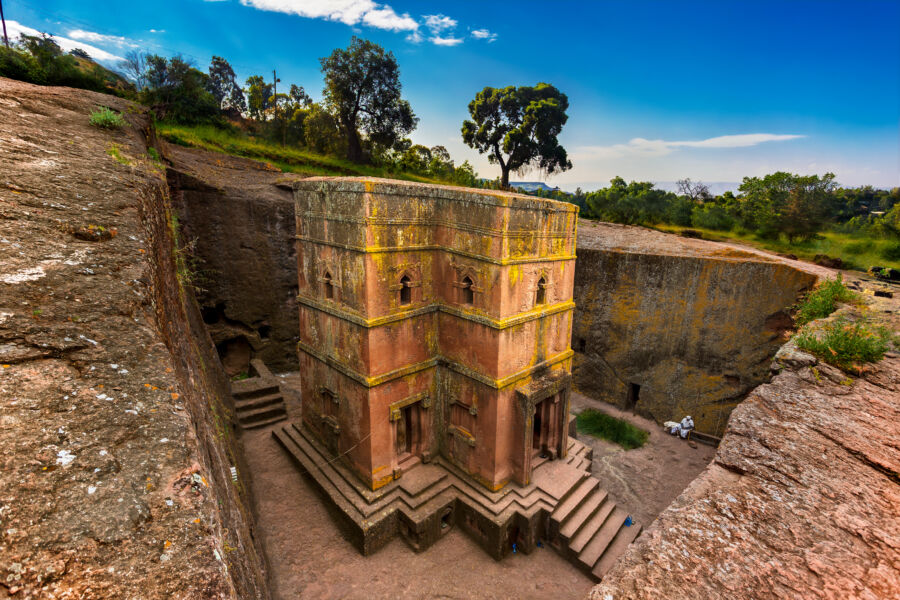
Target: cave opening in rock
(235,354)
(634,394)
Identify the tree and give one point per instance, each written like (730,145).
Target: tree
(786,204)
(322,132)
(630,203)
(224,87)
(517,127)
(696,191)
(135,67)
(178,92)
(362,89)
(259,96)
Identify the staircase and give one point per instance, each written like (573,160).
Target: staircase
(582,522)
(258,401)
(589,529)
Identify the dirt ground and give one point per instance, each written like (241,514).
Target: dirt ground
(309,558)
(647,479)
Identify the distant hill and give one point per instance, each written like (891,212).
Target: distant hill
(532,186)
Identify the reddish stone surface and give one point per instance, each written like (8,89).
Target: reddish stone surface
(459,365)
(801,501)
(113,481)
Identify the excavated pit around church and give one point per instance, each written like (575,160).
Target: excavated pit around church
(239,219)
(133,312)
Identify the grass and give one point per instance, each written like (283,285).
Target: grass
(859,252)
(844,344)
(106,118)
(824,300)
(615,430)
(114,151)
(287,159)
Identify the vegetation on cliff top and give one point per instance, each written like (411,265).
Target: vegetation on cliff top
(824,300)
(601,425)
(845,344)
(297,160)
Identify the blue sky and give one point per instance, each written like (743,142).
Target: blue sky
(658,90)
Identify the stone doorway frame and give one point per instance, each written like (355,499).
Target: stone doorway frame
(554,388)
(422,430)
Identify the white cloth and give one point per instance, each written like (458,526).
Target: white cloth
(680,429)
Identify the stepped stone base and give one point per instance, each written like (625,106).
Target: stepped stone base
(562,506)
(258,401)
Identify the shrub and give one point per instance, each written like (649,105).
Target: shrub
(891,251)
(823,300)
(845,345)
(603,426)
(860,247)
(107,119)
(712,216)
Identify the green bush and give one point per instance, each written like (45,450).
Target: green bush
(844,344)
(823,300)
(603,426)
(107,119)
(859,247)
(891,251)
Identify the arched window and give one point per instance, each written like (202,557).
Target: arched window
(405,290)
(541,291)
(329,286)
(468,295)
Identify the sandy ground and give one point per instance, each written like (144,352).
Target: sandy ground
(646,480)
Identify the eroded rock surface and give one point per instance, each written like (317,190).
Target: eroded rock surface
(801,501)
(107,490)
(241,228)
(668,326)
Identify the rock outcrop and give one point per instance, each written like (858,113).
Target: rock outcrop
(668,326)
(801,501)
(119,475)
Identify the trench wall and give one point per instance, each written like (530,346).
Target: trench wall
(242,238)
(116,451)
(671,335)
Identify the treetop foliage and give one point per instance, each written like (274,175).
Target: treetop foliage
(362,89)
(517,127)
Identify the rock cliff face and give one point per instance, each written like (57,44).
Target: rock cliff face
(670,327)
(241,229)
(116,452)
(801,501)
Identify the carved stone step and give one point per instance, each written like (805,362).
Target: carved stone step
(601,540)
(589,529)
(625,536)
(252,403)
(579,517)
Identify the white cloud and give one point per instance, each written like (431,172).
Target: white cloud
(439,23)
(157,31)
(386,18)
(644,147)
(445,41)
(99,38)
(349,12)
(15,29)
(484,34)
(415,37)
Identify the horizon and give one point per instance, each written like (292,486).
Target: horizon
(688,94)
